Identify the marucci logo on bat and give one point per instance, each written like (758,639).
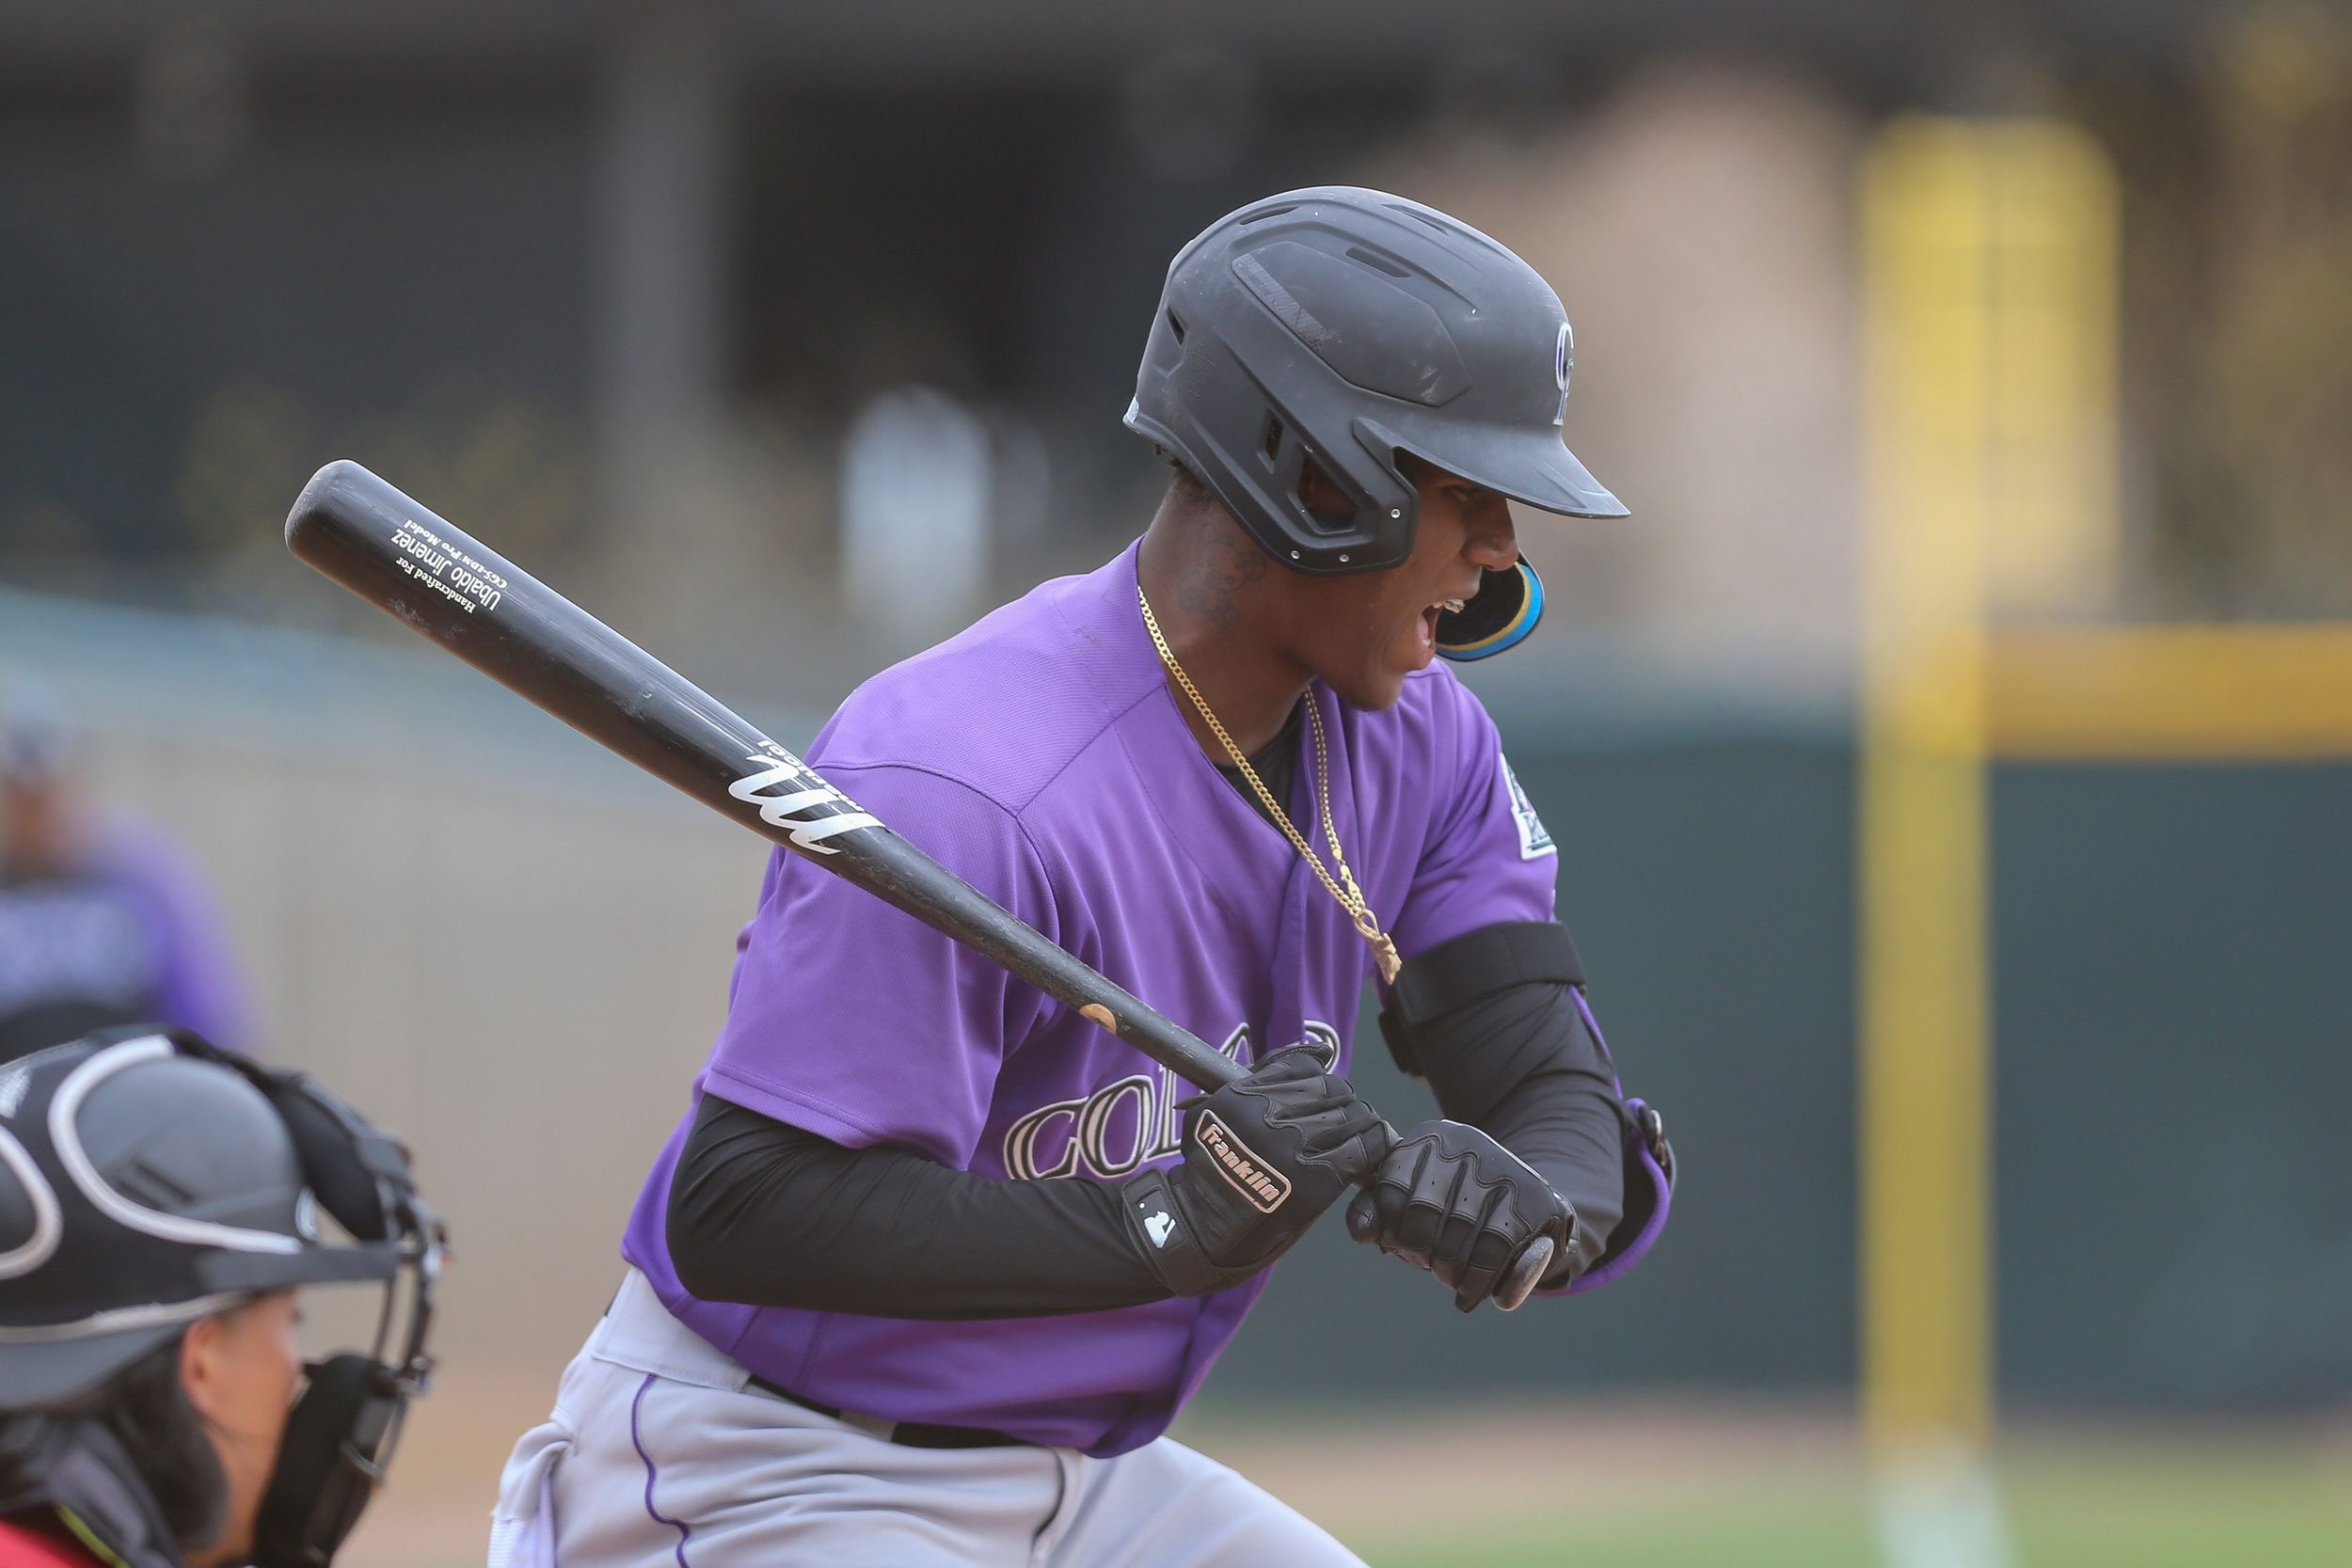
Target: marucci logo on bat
(813,808)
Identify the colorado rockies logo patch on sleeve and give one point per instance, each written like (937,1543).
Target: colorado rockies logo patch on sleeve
(1534,838)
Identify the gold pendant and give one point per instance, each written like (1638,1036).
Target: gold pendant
(1384,952)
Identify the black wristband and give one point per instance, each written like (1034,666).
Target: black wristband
(1163,1236)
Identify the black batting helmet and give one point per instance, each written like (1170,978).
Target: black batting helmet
(1346,326)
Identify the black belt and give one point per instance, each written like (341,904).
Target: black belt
(907,1434)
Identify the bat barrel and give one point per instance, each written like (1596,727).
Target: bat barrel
(449,587)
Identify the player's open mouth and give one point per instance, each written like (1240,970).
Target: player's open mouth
(1429,619)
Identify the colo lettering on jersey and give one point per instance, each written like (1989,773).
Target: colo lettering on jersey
(1126,1124)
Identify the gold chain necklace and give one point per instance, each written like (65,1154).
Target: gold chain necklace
(1350,896)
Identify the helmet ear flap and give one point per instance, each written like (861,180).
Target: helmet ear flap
(1331,501)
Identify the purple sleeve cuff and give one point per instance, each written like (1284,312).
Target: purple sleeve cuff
(1619,1259)
(1645,1210)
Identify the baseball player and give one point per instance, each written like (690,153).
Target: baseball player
(932,1261)
(159,1204)
(101,920)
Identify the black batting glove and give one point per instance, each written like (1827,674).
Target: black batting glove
(1264,1156)
(1452,1200)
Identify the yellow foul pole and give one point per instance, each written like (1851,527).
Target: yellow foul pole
(1988,265)
(1925,1353)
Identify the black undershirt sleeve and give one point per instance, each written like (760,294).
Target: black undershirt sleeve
(769,1214)
(1521,1064)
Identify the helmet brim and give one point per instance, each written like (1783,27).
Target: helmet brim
(1535,469)
(365,1264)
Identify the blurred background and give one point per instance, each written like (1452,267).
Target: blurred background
(788,339)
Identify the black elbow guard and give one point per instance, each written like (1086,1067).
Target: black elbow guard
(1470,969)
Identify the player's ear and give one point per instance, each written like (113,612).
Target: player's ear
(203,1367)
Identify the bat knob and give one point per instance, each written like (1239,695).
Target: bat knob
(1519,1280)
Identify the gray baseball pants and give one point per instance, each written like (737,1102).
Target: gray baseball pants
(657,1455)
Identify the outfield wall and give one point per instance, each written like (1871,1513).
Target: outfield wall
(513,949)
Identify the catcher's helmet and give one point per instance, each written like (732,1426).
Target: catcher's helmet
(1347,326)
(148,1179)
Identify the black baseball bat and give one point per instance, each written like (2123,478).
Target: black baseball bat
(450,588)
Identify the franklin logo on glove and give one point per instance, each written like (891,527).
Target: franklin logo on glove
(1265,1189)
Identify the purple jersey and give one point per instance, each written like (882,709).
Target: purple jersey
(1041,757)
(126,933)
